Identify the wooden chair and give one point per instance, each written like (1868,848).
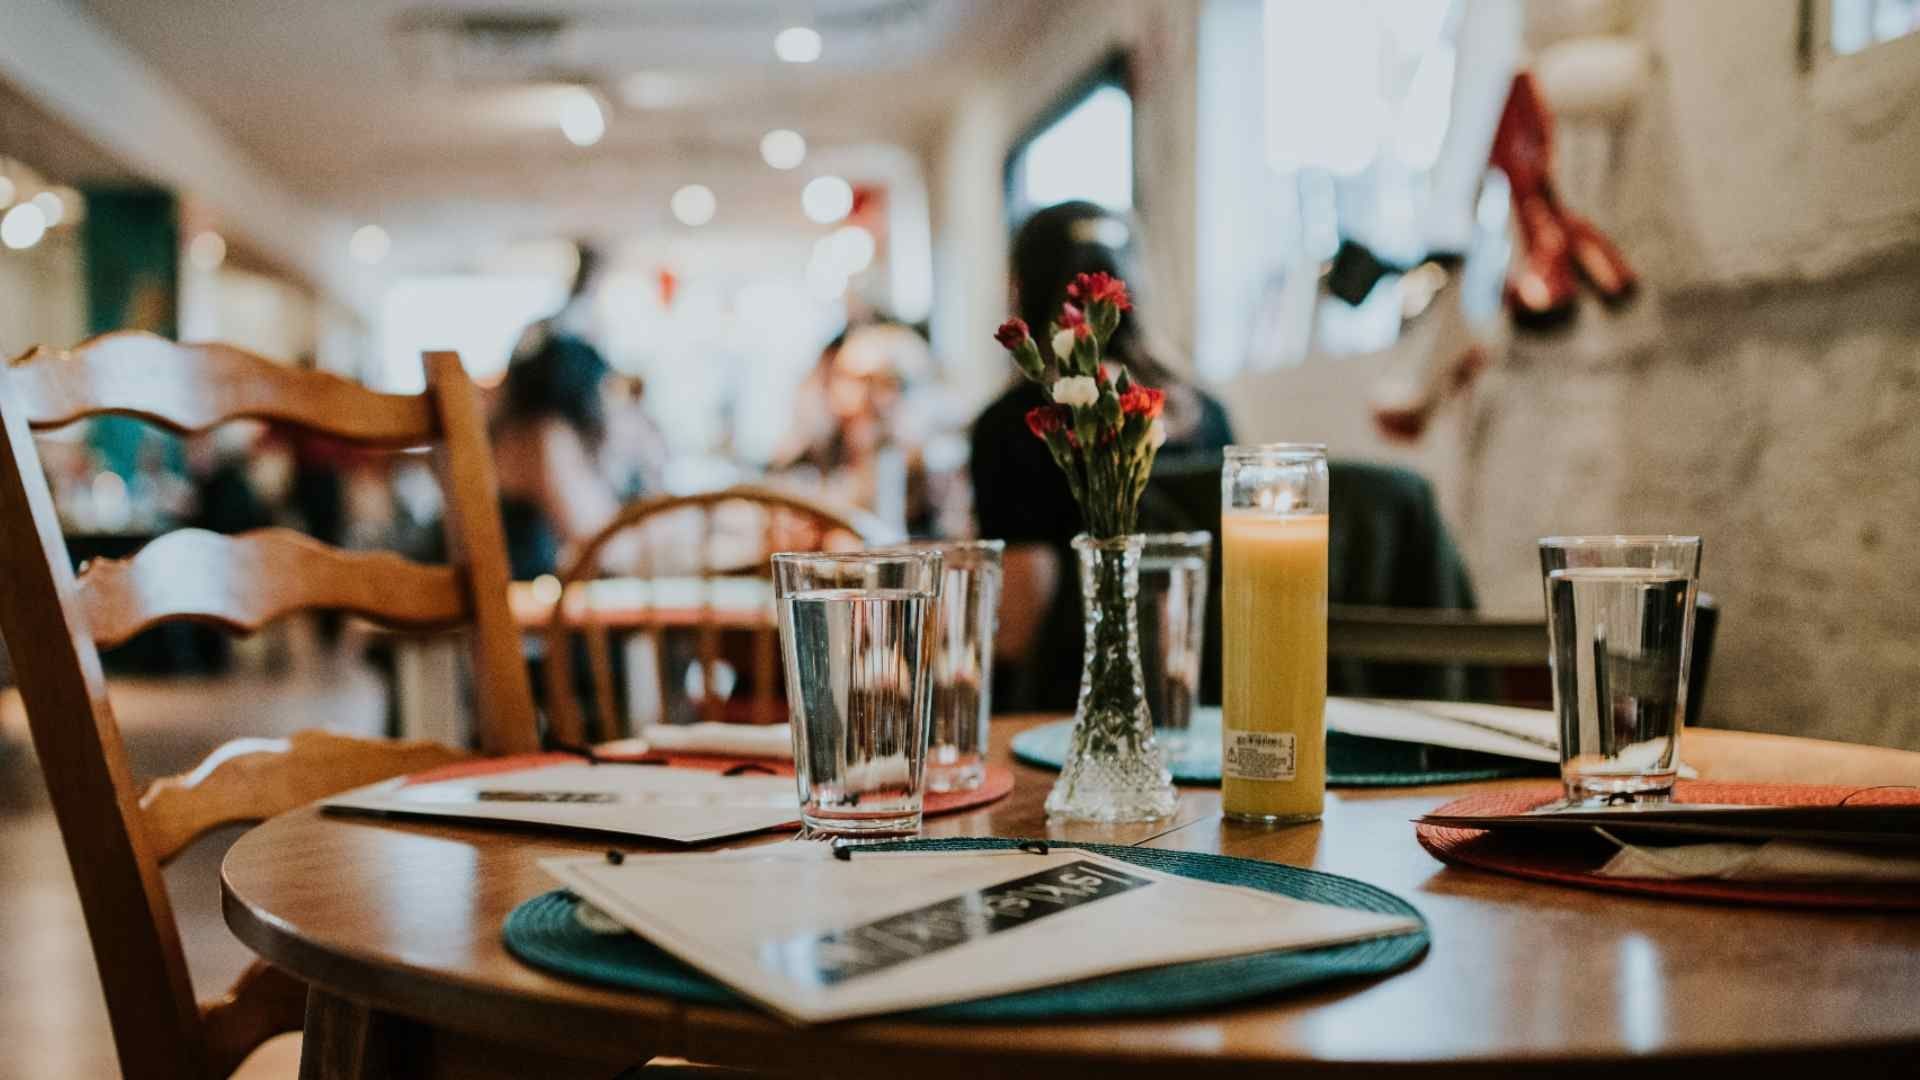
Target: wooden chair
(55,622)
(678,543)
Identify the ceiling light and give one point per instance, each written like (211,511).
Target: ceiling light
(23,226)
(797,45)
(369,244)
(50,207)
(207,251)
(783,149)
(826,199)
(651,90)
(694,204)
(582,120)
(853,248)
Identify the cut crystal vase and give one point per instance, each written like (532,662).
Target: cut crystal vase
(1114,769)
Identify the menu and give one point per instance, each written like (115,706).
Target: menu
(686,806)
(817,938)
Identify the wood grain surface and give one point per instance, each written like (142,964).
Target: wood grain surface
(1521,977)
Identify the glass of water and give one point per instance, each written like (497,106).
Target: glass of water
(1620,616)
(962,661)
(1174,569)
(856,631)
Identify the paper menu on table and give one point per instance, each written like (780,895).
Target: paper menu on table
(814,938)
(1528,734)
(679,805)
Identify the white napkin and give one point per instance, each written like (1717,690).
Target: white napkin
(725,740)
(1775,860)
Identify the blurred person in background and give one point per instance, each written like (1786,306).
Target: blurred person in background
(1020,495)
(861,419)
(565,458)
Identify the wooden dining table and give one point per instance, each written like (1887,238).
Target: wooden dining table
(397,928)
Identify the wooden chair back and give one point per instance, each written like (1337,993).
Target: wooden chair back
(55,622)
(692,542)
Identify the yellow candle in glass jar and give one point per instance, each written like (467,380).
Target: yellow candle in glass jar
(1274,627)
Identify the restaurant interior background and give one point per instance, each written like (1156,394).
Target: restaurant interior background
(345,184)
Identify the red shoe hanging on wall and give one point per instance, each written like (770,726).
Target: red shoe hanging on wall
(1556,244)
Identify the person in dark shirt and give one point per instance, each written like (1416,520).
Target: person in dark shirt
(1020,495)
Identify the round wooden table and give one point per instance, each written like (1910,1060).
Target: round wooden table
(397,928)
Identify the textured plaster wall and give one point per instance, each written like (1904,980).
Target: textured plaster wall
(1777,422)
(1764,391)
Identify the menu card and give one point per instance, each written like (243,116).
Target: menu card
(1528,734)
(685,806)
(816,938)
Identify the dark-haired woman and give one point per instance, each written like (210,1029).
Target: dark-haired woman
(558,483)
(1020,496)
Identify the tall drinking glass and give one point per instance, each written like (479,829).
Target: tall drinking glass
(856,631)
(963,662)
(1173,626)
(1620,617)
(1274,617)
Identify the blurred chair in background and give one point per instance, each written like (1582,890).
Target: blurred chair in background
(698,603)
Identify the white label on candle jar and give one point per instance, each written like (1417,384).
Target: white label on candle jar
(1258,755)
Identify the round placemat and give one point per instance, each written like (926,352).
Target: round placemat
(548,933)
(1569,859)
(1352,760)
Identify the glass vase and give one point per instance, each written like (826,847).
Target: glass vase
(1114,769)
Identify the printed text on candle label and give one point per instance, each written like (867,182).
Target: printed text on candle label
(1258,755)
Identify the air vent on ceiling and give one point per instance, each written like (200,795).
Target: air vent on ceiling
(486,46)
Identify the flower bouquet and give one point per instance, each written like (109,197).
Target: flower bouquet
(1103,430)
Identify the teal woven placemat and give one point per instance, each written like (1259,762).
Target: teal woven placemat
(547,933)
(1352,760)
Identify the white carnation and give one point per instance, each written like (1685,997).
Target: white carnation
(1062,345)
(1156,434)
(1076,390)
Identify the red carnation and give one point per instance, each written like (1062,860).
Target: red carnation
(1071,317)
(1044,420)
(1143,401)
(1101,288)
(1011,334)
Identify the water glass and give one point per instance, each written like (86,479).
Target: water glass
(856,632)
(963,662)
(1620,617)
(1174,568)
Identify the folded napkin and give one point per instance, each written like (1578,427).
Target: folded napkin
(722,740)
(1775,860)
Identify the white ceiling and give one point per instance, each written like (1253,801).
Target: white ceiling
(438,118)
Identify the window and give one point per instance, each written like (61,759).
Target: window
(1858,24)
(1081,149)
(1344,135)
(480,316)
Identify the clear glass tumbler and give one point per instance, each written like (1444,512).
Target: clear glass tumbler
(1174,568)
(857,631)
(963,661)
(1273,625)
(1620,617)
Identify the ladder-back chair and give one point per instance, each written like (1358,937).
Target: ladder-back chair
(55,622)
(679,548)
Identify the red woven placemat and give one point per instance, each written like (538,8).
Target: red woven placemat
(998,783)
(1571,860)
